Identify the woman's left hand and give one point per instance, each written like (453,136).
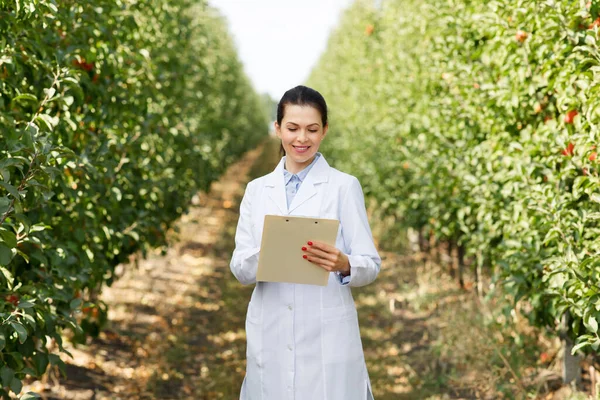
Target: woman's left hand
(327,257)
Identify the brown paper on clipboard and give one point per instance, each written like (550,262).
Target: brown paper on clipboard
(280,258)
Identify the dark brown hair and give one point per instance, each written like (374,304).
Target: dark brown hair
(301,96)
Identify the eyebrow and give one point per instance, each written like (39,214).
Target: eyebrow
(314,123)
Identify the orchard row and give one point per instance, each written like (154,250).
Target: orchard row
(477,122)
(112,115)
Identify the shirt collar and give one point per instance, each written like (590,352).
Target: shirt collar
(300,175)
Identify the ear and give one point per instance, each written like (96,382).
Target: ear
(325,129)
(277,129)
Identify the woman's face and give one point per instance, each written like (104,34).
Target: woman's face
(301,133)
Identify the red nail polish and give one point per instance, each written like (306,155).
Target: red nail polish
(304,248)
(310,243)
(305,256)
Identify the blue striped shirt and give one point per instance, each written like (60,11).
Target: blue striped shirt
(293,181)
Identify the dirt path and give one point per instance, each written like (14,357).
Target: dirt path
(176,322)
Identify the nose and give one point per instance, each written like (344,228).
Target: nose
(302,135)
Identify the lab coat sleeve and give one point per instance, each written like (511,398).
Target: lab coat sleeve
(244,261)
(363,257)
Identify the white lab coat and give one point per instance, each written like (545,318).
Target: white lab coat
(303,341)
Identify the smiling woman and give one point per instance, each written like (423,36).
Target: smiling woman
(303,341)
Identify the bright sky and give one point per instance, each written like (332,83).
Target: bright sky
(279,41)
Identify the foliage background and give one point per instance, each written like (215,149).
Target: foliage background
(113,114)
(476,123)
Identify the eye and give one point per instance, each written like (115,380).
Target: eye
(291,129)
(314,131)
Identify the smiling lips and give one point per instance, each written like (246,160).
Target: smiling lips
(301,149)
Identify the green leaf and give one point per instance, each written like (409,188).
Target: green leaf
(8,237)
(6,254)
(50,92)
(25,223)
(134,235)
(28,371)
(18,359)
(5,175)
(25,97)
(41,362)
(13,161)
(579,346)
(4,205)
(2,341)
(21,331)
(54,9)
(8,276)
(57,361)
(39,228)
(46,120)
(25,304)
(595,197)
(7,375)
(591,325)
(11,189)
(16,385)
(30,320)
(35,183)
(75,303)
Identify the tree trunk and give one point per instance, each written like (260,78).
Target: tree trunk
(433,248)
(571,368)
(461,266)
(422,241)
(450,250)
(594,382)
(479,274)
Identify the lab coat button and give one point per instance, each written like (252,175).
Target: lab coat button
(290,347)
(290,307)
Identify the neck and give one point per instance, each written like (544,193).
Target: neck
(295,167)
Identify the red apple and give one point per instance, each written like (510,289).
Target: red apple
(570,116)
(521,36)
(569,150)
(12,299)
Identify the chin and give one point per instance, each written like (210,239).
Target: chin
(301,158)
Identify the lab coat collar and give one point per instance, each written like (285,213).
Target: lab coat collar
(319,173)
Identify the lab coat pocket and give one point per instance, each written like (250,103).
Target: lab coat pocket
(341,335)
(331,295)
(343,358)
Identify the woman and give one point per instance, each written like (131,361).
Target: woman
(303,341)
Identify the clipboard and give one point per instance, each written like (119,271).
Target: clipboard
(280,258)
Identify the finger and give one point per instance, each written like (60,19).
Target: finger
(325,267)
(323,246)
(319,253)
(320,246)
(326,264)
